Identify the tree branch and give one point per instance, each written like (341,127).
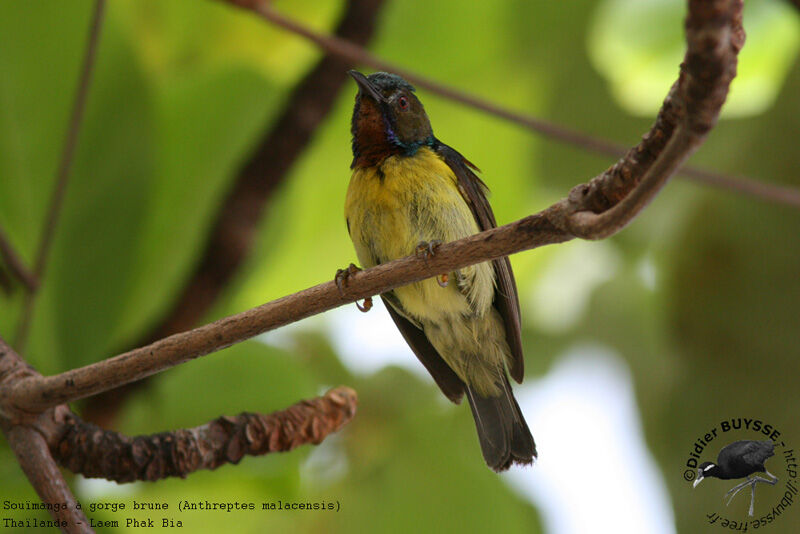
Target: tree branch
(15,264)
(689,112)
(29,443)
(358,55)
(233,233)
(93,452)
(62,177)
(34,457)
(714,37)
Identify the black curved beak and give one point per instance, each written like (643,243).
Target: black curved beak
(366,86)
(698,480)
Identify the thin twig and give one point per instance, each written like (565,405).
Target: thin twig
(62,176)
(714,37)
(15,264)
(358,55)
(93,452)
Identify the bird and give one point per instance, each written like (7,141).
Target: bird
(408,194)
(738,460)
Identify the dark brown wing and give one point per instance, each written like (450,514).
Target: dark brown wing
(506,300)
(445,378)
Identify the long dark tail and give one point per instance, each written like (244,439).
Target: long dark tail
(503,433)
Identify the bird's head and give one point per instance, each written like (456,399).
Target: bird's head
(706,469)
(388,119)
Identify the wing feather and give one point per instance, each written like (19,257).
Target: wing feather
(506,299)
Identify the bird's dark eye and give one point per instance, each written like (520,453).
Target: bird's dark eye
(403,103)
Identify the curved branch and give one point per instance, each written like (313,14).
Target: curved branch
(93,452)
(694,107)
(715,35)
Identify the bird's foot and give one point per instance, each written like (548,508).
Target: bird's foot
(343,276)
(736,489)
(425,250)
(341,279)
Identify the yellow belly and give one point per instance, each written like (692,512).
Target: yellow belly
(416,200)
(389,211)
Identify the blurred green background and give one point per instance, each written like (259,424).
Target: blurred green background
(696,304)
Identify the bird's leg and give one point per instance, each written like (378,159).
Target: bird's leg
(426,249)
(341,279)
(771,482)
(751,481)
(756,479)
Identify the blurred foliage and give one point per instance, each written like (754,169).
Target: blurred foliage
(700,296)
(635,44)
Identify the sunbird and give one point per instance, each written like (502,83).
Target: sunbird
(408,193)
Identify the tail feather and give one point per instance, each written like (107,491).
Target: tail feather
(502,431)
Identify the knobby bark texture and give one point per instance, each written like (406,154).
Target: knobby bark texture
(234,231)
(39,440)
(93,452)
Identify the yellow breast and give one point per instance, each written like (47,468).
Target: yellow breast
(390,209)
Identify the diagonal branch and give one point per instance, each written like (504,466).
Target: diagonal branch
(34,457)
(15,264)
(356,54)
(234,231)
(93,452)
(62,177)
(714,36)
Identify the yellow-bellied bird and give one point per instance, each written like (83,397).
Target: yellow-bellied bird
(409,192)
